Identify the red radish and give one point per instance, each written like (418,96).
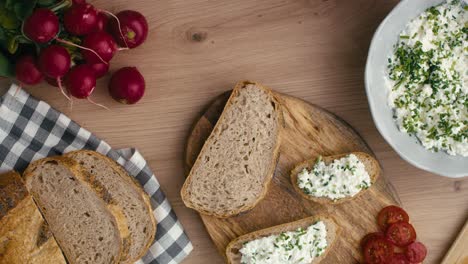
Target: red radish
(42,26)
(77,2)
(133,28)
(80,19)
(69,43)
(99,69)
(80,81)
(127,85)
(102,21)
(27,72)
(54,62)
(102,43)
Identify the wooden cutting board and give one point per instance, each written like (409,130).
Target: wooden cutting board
(309,131)
(458,253)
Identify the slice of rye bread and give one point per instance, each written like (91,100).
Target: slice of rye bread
(126,194)
(233,255)
(372,168)
(24,235)
(80,220)
(236,164)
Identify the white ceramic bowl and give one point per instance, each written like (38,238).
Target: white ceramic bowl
(380,49)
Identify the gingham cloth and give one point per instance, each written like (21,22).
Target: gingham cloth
(31,129)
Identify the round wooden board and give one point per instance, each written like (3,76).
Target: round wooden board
(309,131)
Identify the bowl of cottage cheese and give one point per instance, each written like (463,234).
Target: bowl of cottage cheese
(417,84)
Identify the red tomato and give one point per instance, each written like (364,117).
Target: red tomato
(398,258)
(416,252)
(378,250)
(399,249)
(390,215)
(370,236)
(401,234)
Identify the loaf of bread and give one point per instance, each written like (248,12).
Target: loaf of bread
(235,166)
(24,235)
(371,166)
(233,250)
(80,220)
(126,195)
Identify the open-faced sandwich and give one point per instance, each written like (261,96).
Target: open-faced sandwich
(335,179)
(305,241)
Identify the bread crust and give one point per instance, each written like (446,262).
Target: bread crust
(371,164)
(12,192)
(131,182)
(79,175)
(184,193)
(24,235)
(333,230)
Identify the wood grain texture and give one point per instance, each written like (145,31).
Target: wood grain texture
(458,253)
(309,131)
(311,49)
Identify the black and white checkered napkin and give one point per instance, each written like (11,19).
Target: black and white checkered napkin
(30,129)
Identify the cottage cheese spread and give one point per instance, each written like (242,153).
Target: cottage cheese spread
(299,247)
(428,76)
(342,178)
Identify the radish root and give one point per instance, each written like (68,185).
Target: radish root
(71,105)
(81,47)
(96,104)
(18,89)
(59,83)
(120,29)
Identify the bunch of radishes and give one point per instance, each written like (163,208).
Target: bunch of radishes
(74,45)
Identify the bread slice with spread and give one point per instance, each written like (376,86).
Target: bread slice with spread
(236,164)
(335,179)
(24,235)
(86,227)
(127,196)
(306,241)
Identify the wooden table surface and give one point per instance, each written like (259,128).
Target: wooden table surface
(315,50)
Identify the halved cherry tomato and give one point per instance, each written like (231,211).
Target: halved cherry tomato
(390,215)
(378,250)
(399,249)
(416,252)
(370,236)
(398,258)
(401,234)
